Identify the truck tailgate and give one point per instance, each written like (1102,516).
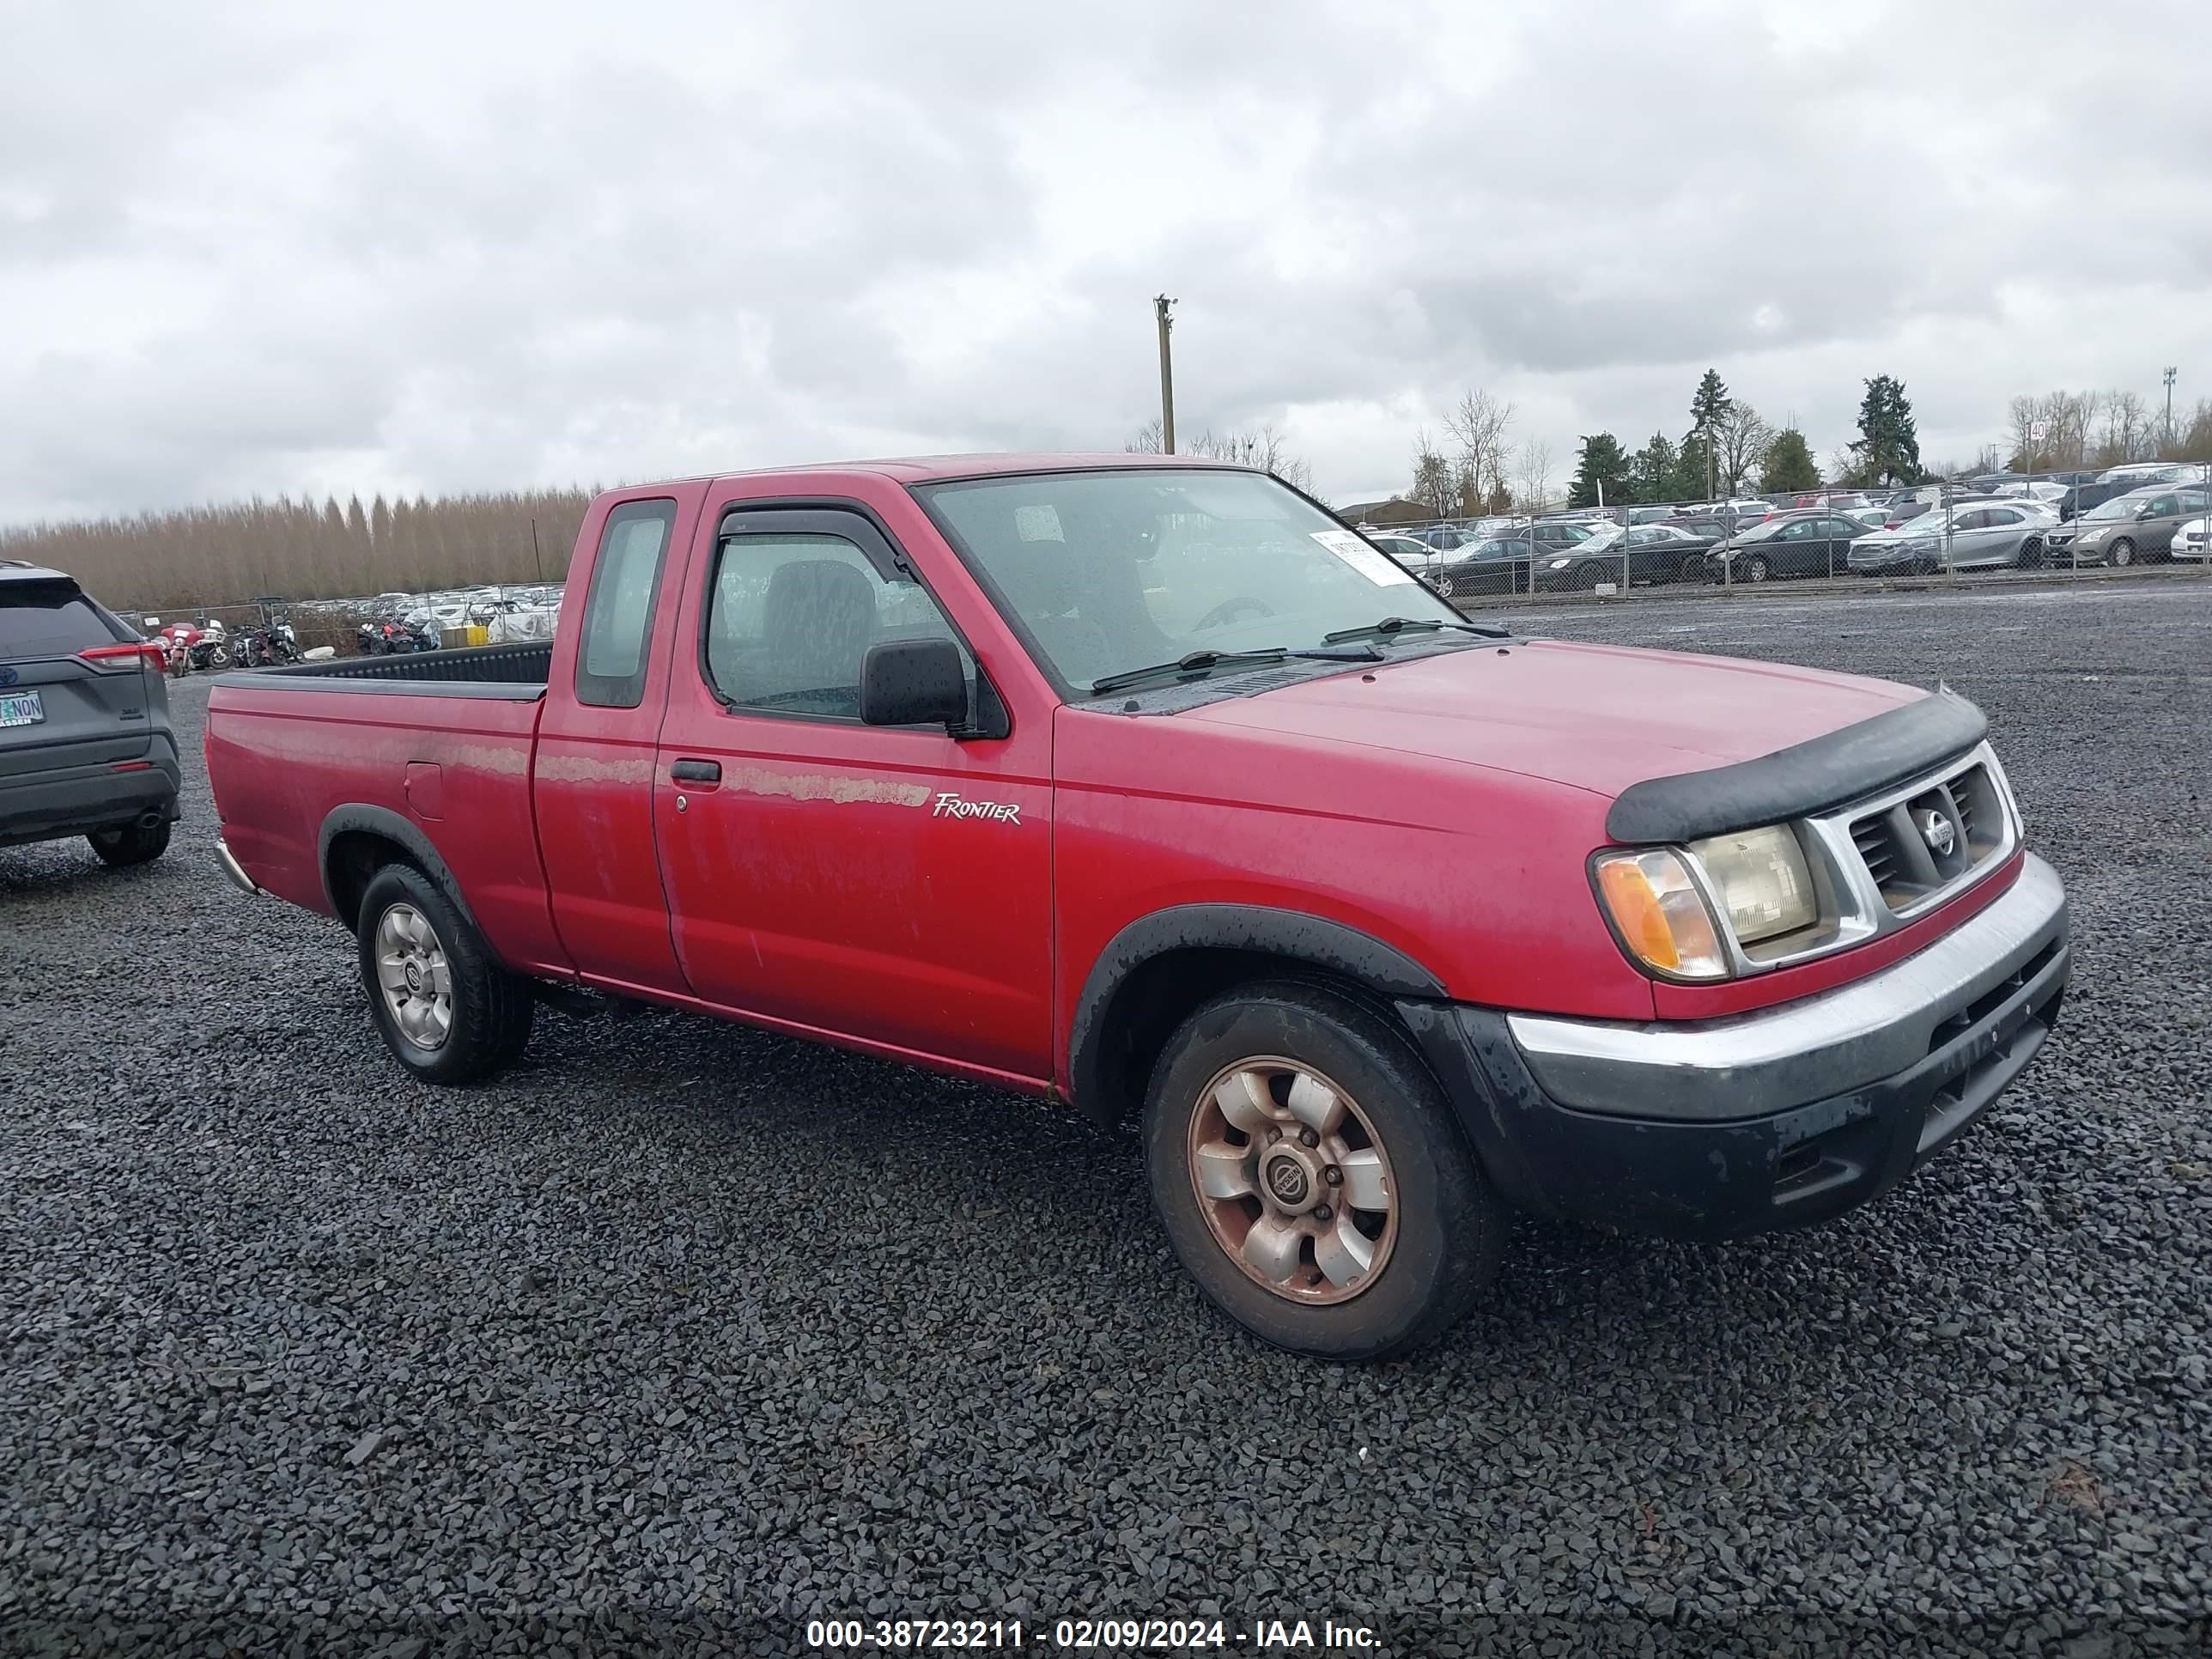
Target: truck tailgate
(452,760)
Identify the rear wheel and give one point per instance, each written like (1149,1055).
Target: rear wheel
(134,843)
(1311,1179)
(447,1012)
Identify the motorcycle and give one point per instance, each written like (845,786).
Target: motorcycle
(190,648)
(176,641)
(269,647)
(390,638)
(210,651)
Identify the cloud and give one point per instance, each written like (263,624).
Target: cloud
(260,248)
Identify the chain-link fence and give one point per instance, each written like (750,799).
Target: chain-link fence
(1995,529)
(494,614)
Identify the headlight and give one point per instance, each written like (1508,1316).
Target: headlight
(1760,878)
(1557,564)
(1660,912)
(1660,915)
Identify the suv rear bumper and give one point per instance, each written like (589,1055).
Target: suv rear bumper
(71,800)
(1782,1118)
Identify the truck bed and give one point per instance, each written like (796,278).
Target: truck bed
(433,749)
(517,673)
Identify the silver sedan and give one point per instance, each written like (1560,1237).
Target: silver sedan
(1981,536)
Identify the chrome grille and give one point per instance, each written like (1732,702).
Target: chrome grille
(1908,867)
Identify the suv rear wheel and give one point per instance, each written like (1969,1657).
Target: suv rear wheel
(134,843)
(447,1012)
(1311,1179)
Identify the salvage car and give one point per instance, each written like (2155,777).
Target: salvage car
(2137,528)
(1146,786)
(85,743)
(1657,553)
(1970,536)
(1790,545)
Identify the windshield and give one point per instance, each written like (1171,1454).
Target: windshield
(2120,506)
(1599,539)
(1116,570)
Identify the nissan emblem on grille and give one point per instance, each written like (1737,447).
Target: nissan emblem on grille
(1938,831)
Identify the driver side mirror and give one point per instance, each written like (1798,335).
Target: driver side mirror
(913,683)
(2142,513)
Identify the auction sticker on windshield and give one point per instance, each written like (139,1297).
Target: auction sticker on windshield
(1371,562)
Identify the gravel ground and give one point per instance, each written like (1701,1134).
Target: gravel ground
(685,1334)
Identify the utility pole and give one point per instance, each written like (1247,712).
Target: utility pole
(2170,373)
(1161,303)
(536,557)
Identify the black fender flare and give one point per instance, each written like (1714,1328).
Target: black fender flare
(355,817)
(1294,936)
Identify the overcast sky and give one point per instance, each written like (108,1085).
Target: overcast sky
(443,246)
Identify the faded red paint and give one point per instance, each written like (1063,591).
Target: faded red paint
(1446,805)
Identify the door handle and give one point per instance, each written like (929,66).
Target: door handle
(696,771)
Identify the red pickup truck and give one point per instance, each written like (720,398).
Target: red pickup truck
(1145,785)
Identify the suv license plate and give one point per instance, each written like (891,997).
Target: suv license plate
(21,709)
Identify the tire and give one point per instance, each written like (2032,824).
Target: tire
(1755,568)
(1431,1251)
(2121,552)
(2030,556)
(486,1011)
(134,843)
(1588,577)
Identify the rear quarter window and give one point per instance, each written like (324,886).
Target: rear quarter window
(49,619)
(618,613)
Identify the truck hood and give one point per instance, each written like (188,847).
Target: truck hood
(1593,717)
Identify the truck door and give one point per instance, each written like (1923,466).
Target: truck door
(591,779)
(890,884)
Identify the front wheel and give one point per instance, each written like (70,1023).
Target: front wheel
(2121,552)
(447,1012)
(1755,568)
(1311,1178)
(2031,554)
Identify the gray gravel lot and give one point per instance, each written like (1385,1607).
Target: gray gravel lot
(686,1334)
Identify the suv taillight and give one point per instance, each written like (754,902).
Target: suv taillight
(147,653)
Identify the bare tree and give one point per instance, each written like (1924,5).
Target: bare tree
(1436,479)
(212,557)
(1480,425)
(2024,417)
(2127,430)
(1535,474)
(1262,446)
(1740,436)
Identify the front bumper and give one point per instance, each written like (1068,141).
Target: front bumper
(1781,1118)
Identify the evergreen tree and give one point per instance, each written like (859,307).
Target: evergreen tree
(1654,472)
(1788,463)
(1888,447)
(1599,461)
(1710,400)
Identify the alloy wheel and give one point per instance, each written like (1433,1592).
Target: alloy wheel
(1293,1181)
(414,977)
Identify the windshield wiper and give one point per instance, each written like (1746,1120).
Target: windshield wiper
(1391,627)
(1203,662)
